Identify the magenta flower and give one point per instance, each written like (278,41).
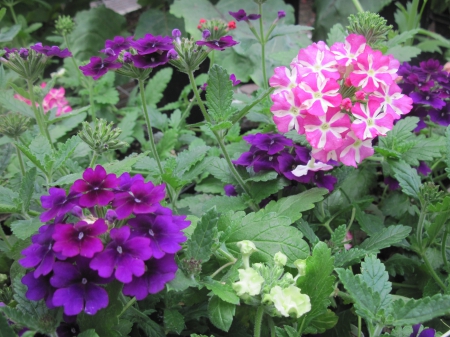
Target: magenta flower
(284,78)
(429,98)
(271,143)
(51,51)
(392,100)
(288,110)
(241,15)
(39,288)
(118,44)
(162,228)
(142,198)
(234,80)
(125,182)
(158,273)
(281,14)
(221,44)
(77,288)
(57,203)
(123,256)
(318,95)
(97,67)
(347,53)
(79,239)
(370,120)
(150,44)
(230,190)
(9,51)
(354,150)
(424,333)
(96,186)
(150,60)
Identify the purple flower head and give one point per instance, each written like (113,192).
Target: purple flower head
(77,288)
(23,53)
(270,143)
(96,186)
(423,168)
(110,52)
(68,329)
(204,86)
(176,33)
(40,254)
(77,212)
(125,182)
(429,98)
(150,60)
(234,80)
(111,215)
(221,44)
(123,254)
(245,159)
(51,51)
(150,44)
(142,198)
(118,44)
(79,239)
(205,34)
(241,15)
(172,54)
(57,203)
(159,272)
(392,183)
(127,57)
(163,229)
(430,66)
(324,180)
(281,14)
(230,190)
(9,51)
(39,288)
(97,67)
(287,163)
(424,333)
(442,116)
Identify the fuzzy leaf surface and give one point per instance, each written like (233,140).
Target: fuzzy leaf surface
(385,238)
(421,310)
(221,313)
(219,94)
(408,178)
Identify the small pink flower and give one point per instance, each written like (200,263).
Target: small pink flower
(319,94)
(287,109)
(354,150)
(392,100)
(348,238)
(323,155)
(284,78)
(346,104)
(360,95)
(302,170)
(317,58)
(325,132)
(370,120)
(346,53)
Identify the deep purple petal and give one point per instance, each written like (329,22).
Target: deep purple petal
(96,298)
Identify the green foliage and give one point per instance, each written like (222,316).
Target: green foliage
(221,313)
(385,238)
(156,86)
(5,329)
(447,161)
(157,22)
(24,229)
(224,291)
(88,333)
(407,177)
(149,327)
(173,321)
(318,284)
(423,309)
(219,94)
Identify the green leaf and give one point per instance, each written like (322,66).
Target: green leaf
(399,264)
(167,142)
(32,157)
(385,238)
(323,322)
(156,85)
(221,313)
(224,125)
(186,159)
(106,96)
(27,189)
(349,257)
(2,13)
(219,94)
(92,28)
(294,205)
(421,310)
(149,327)
(400,135)
(338,237)
(373,273)
(8,101)
(425,149)
(88,333)
(181,282)
(124,165)
(173,321)
(5,329)
(220,170)
(271,233)
(224,291)
(202,239)
(408,178)
(370,223)
(20,317)
(318,283)
(23,229)
(10,34)
(404,53)
(157,22)
(443,213)
(337,33)
(9,201)
(65,151)
(263,189)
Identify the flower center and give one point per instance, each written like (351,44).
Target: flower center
(151,232)
(80,235)
(427,98)
(371,72)
(357,143)
(84,280)
(119,249)
(325,126)
(96,188)
(317,95)
(136,200)
(217,44)
(370,122)
(294,110)
(73,330)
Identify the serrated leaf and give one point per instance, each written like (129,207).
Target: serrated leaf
(186,159)
(10,33)
(149,327)
(220,170)
(181,282)
(317,282)
(337,33)
(404,53)
(167,142)
(442,213)
(30,155)
(425,149)
(156,86)
(125,165)
(373,273)
(263,176)
(8,101)
(224,125)
(65,151)
(322,323)
(421,310)
(338,236)
(9,201)
(401,264)
(349,257)
(23,229)
(370,223)
(222,290)
(88,333)
(385,238)
(219,94)
(400,134)
(408,178)
(202,239)
(263,189)
(173,321)
(107,96)
(5,329)
(42,150)
(19,317)
(221,313)
(27,189)
(271,233)
(156,21)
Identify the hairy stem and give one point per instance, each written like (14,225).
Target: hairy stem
(263,47)
(258,321)
(37,113)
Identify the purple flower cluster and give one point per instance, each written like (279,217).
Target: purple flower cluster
(424,333)
(105,228)
(147,52)
(40,49)
(275,152)
(429,87)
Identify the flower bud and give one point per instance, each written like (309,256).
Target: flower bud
(246,247)
(77,211)
(23,53)
(280,259)
(249,283)
(289,301)
(13,125)
(127,57)
(102,137)
(172,54)
(301,267)
(206,33)
(281,14)
(64,25)
(111,215)
(176,33)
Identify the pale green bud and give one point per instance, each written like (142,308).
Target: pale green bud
(280,259)
(249,283)
(289,301)
(246,247)
(301,267)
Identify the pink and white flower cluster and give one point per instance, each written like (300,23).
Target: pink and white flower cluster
(54,99)
(340,98)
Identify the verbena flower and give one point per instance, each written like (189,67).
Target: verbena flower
(230,190)
(57,203)
(424,333)
(220,44)
(97,67)
(118,44)
(241,15)
(51,51)
(289,301)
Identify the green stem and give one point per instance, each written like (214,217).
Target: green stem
(150,134)
(377,331)
(222,268)
(3,236)
(271,327)
(13,13)
(402,285)
(225,254)
(129,304)
(93,160)
(440,177)
(359,326)
(263,47)
(186,112)
(91,100)
(352,218)
(247,109)
(358,6)
(432,272)
(198,98)
(39,117)
(444,249)
(19,156)
(300,329)
(258,321)
(420,225)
